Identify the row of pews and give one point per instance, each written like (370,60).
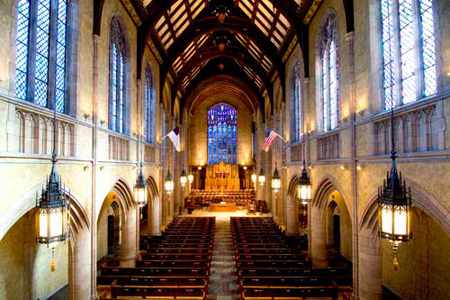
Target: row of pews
(175,265)
(272,265)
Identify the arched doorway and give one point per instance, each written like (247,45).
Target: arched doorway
(117,222)
(331,224)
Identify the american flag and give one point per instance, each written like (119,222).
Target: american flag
(270,137)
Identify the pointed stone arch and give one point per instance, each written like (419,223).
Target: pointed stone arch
(326,186)
(154,208)
(320,202)
(124,193)
(291,209)
(129,219)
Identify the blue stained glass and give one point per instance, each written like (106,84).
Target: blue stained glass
(121,94)
(330,75)
(428,47)
(23,21)
(61,56)
(41,51)
(149,105)
(333,85)
(42,41)
(222,131)
(296,106)
(407,50)
(407,57)
(117,97)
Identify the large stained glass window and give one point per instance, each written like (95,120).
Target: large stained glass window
(149,109)
(296,122)
(41,74)
(117,92)
(408,50)
(222,134)
(329,74)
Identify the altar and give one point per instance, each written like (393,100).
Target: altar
(222,207)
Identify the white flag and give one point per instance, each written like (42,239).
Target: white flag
(174,136)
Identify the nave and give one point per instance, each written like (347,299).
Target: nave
(224,258)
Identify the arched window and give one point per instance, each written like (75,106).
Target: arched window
(296,122)
(118,78)
(329,71)
(222,134)
(408,50)
(149,110)
(41,72)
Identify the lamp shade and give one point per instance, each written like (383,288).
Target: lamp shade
(183,178)
(168,183)
(394,209)
(52,218)
(140,189)
(254,177)
(304,187)
(261,177)
(191,178)
(276,180)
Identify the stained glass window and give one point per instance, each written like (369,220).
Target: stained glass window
(329,79)
(409,55)
(222,134)
(117,91)
(23,28)
(45,82)
(296,121)
(61,56)
(149,121)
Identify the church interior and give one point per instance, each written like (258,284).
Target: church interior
(225,149)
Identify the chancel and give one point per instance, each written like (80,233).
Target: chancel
(224,149)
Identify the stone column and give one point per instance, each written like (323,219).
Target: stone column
(80,267)
(128,251)
(370,281)
(154,225)
(350,37)
(292,216)
(95,120)
(318,249)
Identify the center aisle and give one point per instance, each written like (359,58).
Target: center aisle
(223,280)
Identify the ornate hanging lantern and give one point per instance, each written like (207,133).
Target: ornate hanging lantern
(394,204)
(261,177)
(304,187)
(183,178)
(52,211)
(140,189)
(276,180)
(52,218)
(191,178)
(168,184)
(254,177)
